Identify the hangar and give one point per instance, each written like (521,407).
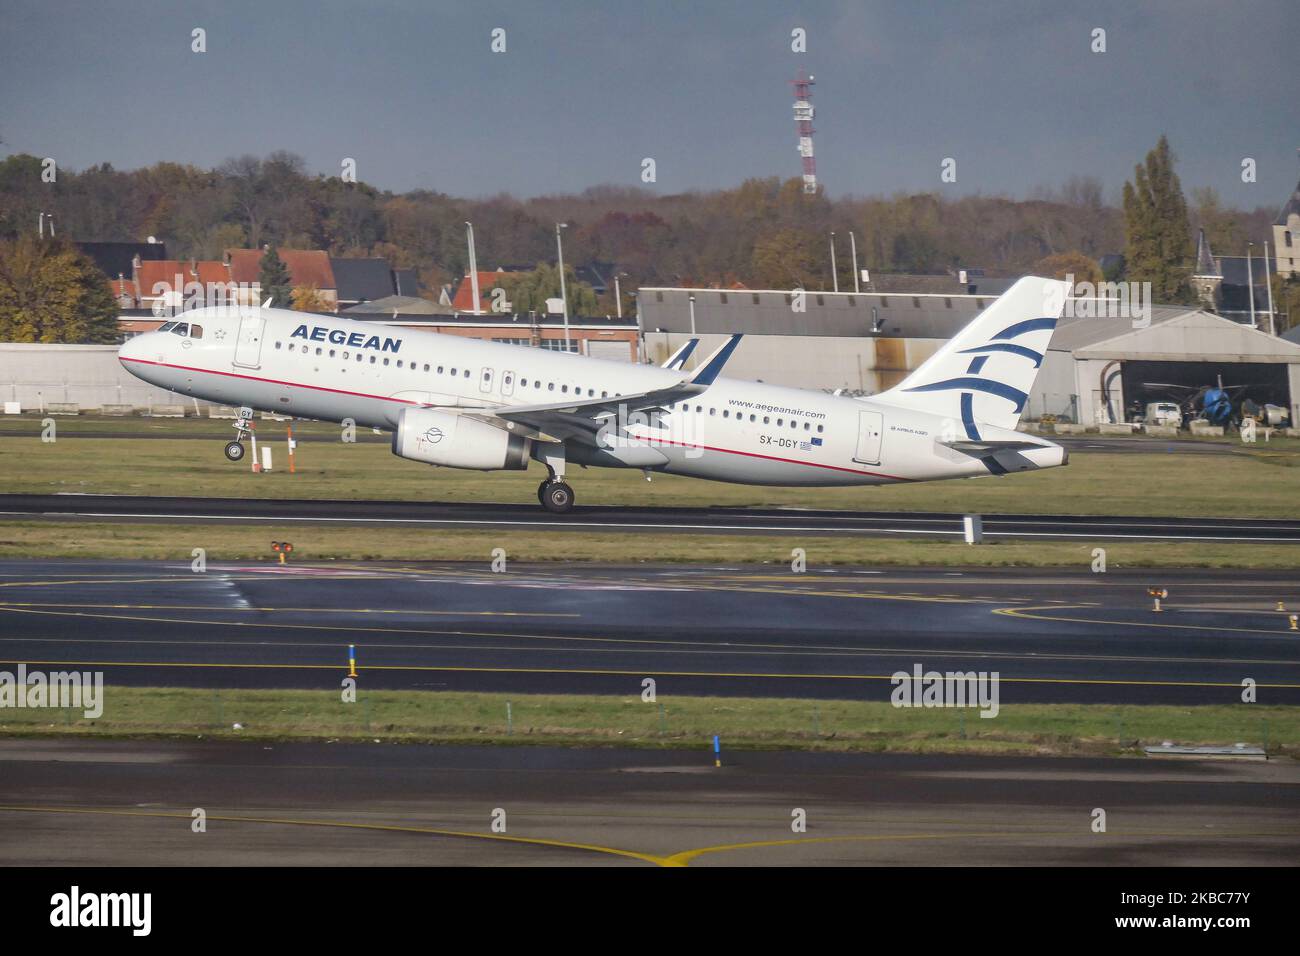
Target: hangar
(1096,369)
(865,343)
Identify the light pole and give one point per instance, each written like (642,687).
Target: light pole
(564,297)
(1250,283)
(853,248)
(692,297)
(618,293)
(835,277)
(1268,284)
(473,266)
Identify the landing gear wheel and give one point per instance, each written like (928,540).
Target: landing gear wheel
(234,450)
(556,497)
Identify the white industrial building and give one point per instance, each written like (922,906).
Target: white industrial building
(866,343)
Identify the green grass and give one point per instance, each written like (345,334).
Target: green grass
(1250,484)
(686,723)
(316,543)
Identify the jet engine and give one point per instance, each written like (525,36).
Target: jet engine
(457,441)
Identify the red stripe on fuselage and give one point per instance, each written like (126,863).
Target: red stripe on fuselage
(405,401)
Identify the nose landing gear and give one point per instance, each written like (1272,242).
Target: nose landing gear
(243,430)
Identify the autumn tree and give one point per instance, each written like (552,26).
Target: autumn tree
(786,259)
(1158,246)
(50,292)
(1076,264)
(274,279)
(308,298)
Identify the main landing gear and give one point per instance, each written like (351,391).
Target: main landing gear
(554,494)
(243,428)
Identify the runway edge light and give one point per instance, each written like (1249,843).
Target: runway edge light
(1158,594)
(717,751)
(352,660)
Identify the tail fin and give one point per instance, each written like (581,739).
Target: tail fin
(985,372)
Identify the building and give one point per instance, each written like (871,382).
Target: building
(861,342)
(865,344)
(1100,370)
(1286,237)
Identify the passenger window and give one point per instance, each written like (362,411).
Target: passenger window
(819,427)
(346,356)
(467,373)
(385,361)
(780,422)
(399,363)
(277,345)
(331,353)
(372,360)
(439,369)
(426,366)
(319,350)
(564,388)
(550,387)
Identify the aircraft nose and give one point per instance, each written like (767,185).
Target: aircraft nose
(131,350)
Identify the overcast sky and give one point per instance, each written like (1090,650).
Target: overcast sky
(585,91)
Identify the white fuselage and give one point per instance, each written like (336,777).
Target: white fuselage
(331,368)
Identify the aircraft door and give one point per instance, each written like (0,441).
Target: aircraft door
(248,346)
(507,382)
(871,427)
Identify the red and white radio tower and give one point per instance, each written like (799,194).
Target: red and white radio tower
(803,116)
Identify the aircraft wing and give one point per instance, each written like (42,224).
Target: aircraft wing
(582,418)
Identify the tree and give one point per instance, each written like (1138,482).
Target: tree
(1286,300)
(528,291)
(50,292)
(786,259)
(1064,264)
(308,298)
(1158,246)
(274,279)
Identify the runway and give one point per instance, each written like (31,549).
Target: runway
(766,521)
(132,803)
(1054,636)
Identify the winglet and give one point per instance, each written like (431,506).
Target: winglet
(678,358)
(712,366)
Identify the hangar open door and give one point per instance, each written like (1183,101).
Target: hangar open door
(1264,383)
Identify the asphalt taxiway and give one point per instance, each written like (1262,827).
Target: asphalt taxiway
(115,803)
(1053,636)
(765,521)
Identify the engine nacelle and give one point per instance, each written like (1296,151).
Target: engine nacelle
(455,441)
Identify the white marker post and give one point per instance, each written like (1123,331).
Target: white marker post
(266,457)
(972,527)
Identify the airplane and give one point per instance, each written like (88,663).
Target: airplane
(464,403)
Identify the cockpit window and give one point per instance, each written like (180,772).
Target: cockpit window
(166,326)
(181,328)
(196,331)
